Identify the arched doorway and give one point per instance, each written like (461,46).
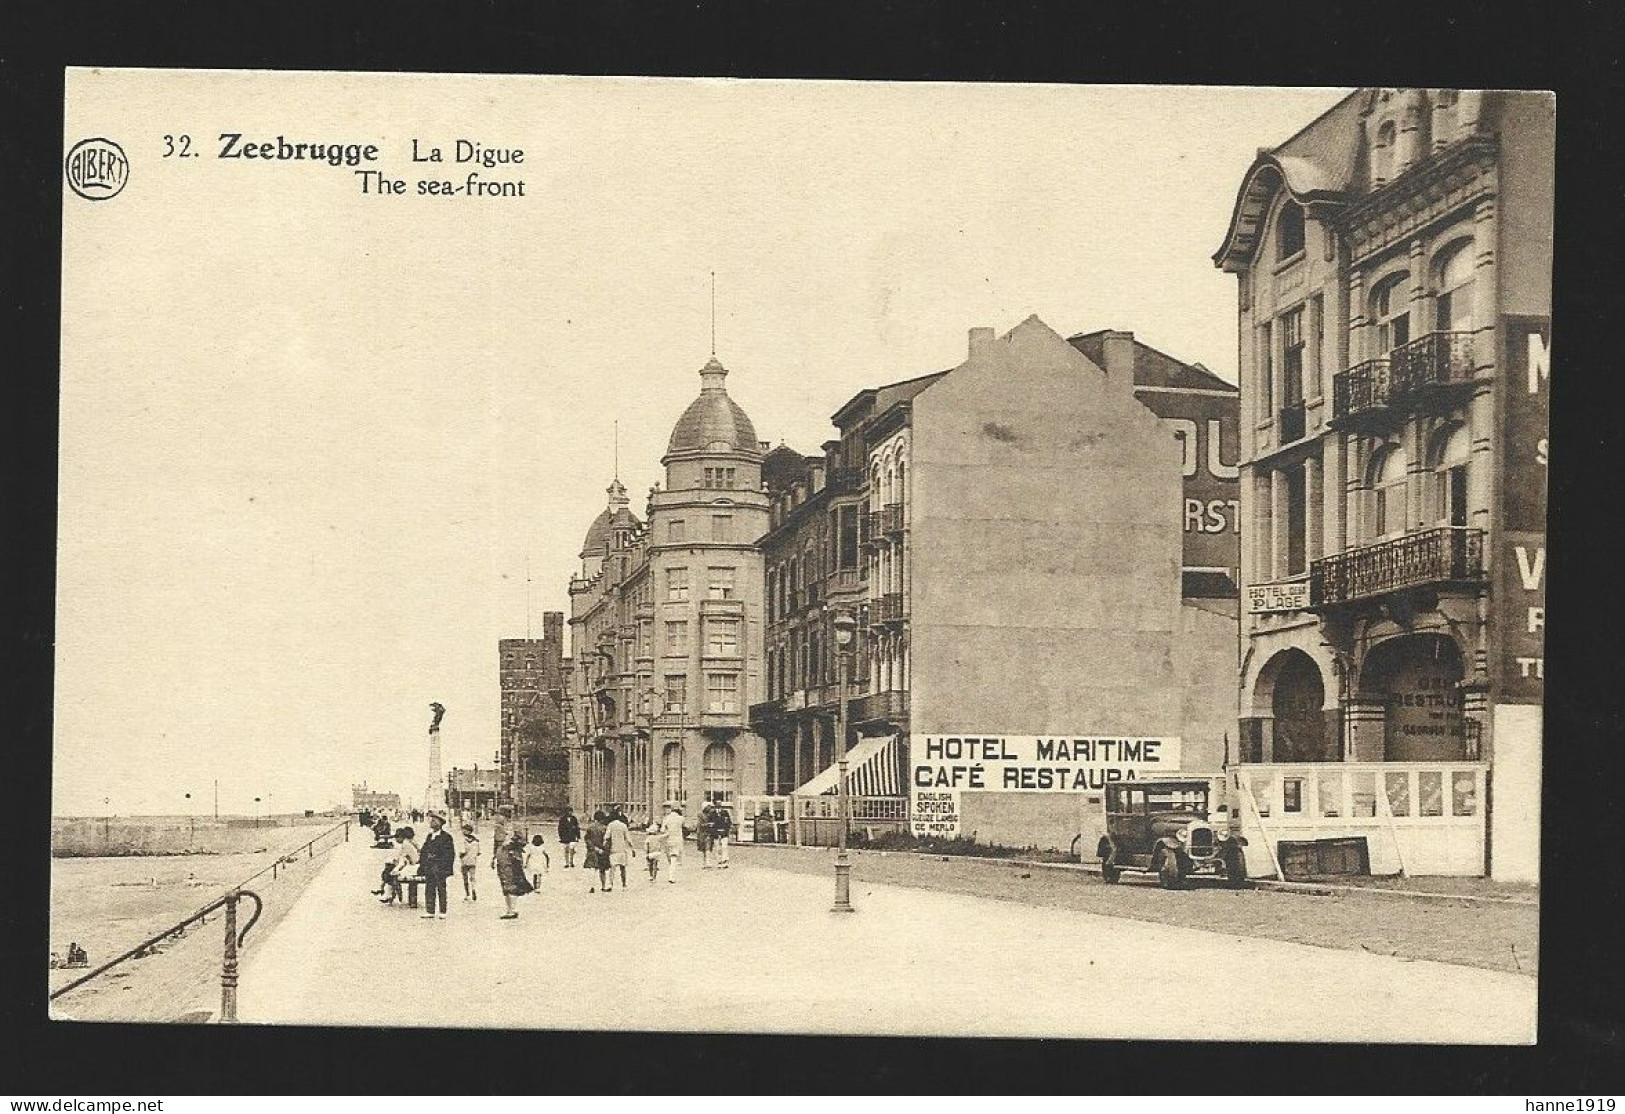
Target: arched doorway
(1297,695)
(1418,680)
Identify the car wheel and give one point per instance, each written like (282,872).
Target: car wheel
(1110,872)
(1170,871)
(1235,868)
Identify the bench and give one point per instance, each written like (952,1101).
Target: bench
(410,884)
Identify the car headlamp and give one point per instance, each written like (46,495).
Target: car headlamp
(1184,835)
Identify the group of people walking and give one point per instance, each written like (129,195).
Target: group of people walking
(519,864)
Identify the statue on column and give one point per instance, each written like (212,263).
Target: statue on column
(439,710)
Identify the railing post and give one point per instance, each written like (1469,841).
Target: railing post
(228,966)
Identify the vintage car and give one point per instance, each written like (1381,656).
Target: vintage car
(1161,827)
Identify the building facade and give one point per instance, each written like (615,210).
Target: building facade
(666,623)
(1394,274)
(473,792)
(373,800)
(533,761)
(967,519)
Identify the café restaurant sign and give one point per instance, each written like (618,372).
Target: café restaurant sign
(1292,595)
(943,766)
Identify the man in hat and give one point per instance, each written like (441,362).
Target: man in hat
(437,858)
(673,826)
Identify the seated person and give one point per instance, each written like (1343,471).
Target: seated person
(402,867)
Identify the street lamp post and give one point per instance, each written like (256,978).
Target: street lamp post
(845,626)
(258,812)
(191,821)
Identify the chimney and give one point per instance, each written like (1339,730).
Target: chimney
(1117,356)
(981,339)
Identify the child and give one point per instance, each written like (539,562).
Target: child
(654,847)
(536,861)
(469,857)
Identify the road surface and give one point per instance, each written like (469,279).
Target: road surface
(755,949)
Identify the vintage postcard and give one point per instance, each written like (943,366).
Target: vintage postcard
(802,556)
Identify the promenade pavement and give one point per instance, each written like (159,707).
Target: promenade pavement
(755,949)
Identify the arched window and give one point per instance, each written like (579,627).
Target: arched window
(1448,463)
(719,773)
(1391,314)
(1388,493)
(1289,230)
(1453,289)
(671,761)
(1382,155)
(902,480)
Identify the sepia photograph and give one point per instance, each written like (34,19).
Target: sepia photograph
(859,558)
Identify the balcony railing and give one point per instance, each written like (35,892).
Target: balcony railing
(887,608)
(846,580)
(1374,387)
(1441,555)
(891,706)
(891,518)
(1434,360)
(1359,390)
(1292,422)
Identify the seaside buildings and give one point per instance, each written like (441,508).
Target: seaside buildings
(534,759)
(374,800)
(473,792)
(666,622)
(1394,275)
(1040,541)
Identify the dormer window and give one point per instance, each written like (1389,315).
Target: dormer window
(1289,231)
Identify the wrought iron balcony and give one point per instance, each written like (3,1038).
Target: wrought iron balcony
(1434,360)
(846,580)
(767,712)
(892,706)
(1359,392)
(1441,555)
(1370,393)
(886,609)
(891,518)
(1291,425)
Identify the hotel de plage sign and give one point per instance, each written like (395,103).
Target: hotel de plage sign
(943,766)
(1291,595)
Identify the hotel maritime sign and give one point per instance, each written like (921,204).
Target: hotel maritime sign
(943,766)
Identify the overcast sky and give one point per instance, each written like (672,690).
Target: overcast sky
(311,438)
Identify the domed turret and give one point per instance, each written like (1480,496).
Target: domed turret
(613,517)
(713,421)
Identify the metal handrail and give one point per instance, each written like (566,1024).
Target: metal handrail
(234,938)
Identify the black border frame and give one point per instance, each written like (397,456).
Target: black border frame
(1525,45)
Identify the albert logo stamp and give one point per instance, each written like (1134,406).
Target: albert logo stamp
(97,169)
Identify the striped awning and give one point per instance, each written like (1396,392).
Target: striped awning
(872,770)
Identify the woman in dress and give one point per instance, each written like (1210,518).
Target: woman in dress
(510,864)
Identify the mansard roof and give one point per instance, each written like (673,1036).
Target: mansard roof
(1316,166)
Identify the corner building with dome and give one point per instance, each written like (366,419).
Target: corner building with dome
(666,624)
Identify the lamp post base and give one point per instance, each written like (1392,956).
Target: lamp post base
(843,885)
